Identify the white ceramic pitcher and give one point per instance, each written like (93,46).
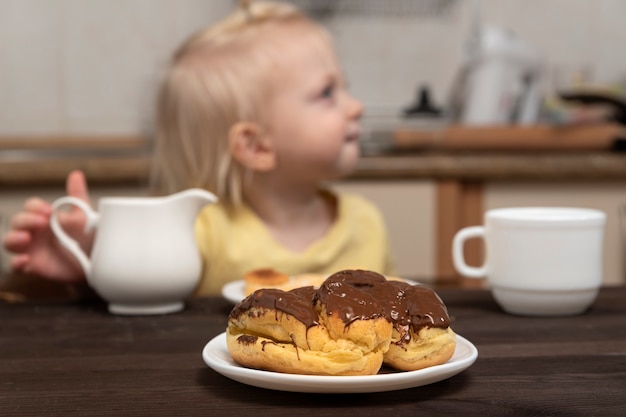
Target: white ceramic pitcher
(145,259)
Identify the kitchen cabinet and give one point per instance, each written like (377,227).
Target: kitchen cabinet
(465,184)
(410,216)
(422,217)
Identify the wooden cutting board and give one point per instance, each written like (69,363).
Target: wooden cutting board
(601,136)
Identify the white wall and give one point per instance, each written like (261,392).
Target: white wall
(90,66)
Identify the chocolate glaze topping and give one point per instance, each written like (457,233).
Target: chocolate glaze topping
(424,307)
(353,295)
(356,295)
(247,339)
(297,302)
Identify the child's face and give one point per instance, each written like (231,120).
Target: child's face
(312,119)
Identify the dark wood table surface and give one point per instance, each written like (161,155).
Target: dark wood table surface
(75,359)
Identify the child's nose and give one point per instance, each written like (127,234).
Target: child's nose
(355,108)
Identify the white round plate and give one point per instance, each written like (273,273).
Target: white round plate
(235,291)
(217,357)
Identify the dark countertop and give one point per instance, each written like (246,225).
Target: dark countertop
(47,161)
(496,166)
(122,161)
(69,358)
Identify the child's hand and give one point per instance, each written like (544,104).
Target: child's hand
(36,249)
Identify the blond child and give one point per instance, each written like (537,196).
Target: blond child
(254,109)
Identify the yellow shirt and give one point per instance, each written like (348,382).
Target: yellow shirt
(233,243)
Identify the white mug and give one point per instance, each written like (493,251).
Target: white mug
(144,258)
(539,260)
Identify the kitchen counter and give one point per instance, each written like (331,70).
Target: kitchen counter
(126,161)
(114,160)
(495,166)
(458,176)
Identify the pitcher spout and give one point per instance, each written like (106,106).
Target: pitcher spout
(195,198)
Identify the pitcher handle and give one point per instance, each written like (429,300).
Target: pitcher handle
(457,252)
(66,241)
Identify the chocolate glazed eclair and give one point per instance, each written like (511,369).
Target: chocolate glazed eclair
(349,326)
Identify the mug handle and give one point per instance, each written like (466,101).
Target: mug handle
(457,252)
(66,241)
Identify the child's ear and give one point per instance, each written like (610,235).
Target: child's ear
(250,147)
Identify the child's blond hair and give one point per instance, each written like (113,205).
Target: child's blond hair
(216,79)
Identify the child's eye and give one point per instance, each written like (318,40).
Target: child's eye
(328,91)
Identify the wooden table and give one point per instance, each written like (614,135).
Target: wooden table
(75,359)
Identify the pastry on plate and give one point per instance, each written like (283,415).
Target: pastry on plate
(353,323)
(270,278)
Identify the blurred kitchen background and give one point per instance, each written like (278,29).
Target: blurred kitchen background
(89,66)
(77,83)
